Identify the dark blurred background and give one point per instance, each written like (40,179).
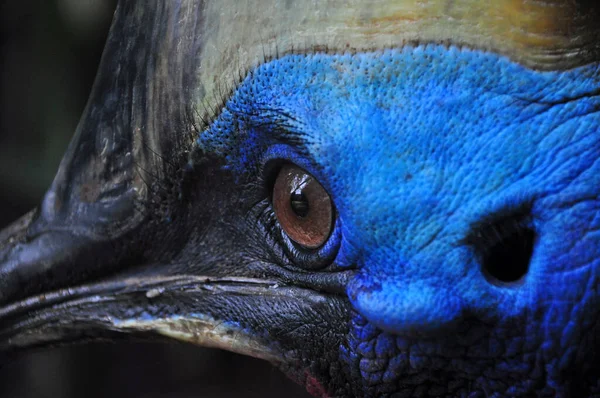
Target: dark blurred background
(49,53)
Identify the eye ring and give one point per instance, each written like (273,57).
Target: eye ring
(302,207)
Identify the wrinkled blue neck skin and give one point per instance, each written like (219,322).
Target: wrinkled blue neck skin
(417,144)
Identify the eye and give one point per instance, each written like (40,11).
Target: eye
(302,207)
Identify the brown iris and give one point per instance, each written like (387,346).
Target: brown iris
(303,207)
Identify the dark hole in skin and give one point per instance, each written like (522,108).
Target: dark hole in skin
(509,260)
(504,246)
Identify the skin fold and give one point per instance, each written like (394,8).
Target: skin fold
(464,255)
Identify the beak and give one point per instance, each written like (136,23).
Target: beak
(75,268)
(142,305)
(138,303)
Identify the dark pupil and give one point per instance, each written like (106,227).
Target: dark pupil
(299,203)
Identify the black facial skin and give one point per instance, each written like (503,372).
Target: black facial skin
(127,217)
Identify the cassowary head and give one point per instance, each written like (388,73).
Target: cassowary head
(381,198)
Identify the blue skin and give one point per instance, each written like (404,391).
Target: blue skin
(416,145)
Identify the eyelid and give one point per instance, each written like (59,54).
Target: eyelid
(278,154)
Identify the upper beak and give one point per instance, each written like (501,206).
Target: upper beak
(145,305)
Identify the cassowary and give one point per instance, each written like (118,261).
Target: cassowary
(381,198)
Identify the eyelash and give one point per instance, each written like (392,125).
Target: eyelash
(269,225)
